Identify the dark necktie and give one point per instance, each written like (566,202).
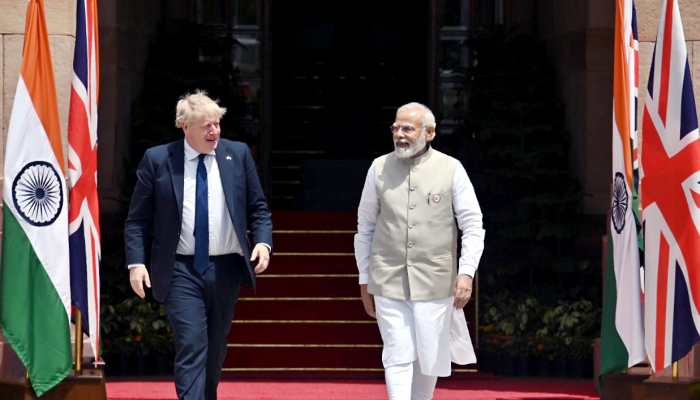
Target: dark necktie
(201,219)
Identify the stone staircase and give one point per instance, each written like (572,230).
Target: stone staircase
(306,318)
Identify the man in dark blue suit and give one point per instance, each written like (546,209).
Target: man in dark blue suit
(193,204)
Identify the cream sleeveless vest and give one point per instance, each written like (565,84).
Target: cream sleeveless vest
(414,247)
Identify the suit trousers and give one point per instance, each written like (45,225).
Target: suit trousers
(200,309)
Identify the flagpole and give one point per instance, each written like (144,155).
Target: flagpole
(78,341)
(674,370)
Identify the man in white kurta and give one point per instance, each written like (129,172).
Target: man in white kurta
(406,250)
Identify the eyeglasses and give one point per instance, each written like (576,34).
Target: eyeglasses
(405,128)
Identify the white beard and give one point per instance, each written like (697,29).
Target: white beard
(412,150)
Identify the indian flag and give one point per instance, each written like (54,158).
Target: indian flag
(622,335)
(35,275)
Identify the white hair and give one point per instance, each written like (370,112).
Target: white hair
(427,120)
(195,105)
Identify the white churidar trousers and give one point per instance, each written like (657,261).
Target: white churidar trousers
(432,332)
(406,382)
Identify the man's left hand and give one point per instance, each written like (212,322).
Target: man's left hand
(262,254)
(463,290)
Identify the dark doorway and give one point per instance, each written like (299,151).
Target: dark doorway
(339,70)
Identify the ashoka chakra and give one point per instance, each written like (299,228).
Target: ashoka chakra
(37,193)
(620,202)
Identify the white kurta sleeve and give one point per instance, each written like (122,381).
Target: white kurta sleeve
(469,221)
(367,213)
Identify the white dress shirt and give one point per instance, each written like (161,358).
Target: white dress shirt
(467,213)
(222,236)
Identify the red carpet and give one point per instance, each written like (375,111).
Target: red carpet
(486,388)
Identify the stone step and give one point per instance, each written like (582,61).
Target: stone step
(319,285)
(305,332)
(303,356)
(301,308)
(312,263)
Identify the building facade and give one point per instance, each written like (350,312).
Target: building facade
(316,89)
(578,34)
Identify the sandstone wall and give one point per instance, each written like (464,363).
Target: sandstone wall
(60,21)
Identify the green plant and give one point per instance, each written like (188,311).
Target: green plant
(569,319)
(568,328)
(136,326)
(520,325)
(510,316)
(580,348)
(508,323)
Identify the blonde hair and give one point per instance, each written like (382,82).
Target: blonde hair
(195,105)
(427,120)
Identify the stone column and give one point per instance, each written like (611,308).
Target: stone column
(579,39)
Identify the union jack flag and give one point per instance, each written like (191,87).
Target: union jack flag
(83,212)
(670,192)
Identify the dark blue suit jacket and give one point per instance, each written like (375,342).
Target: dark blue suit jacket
(155,213)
